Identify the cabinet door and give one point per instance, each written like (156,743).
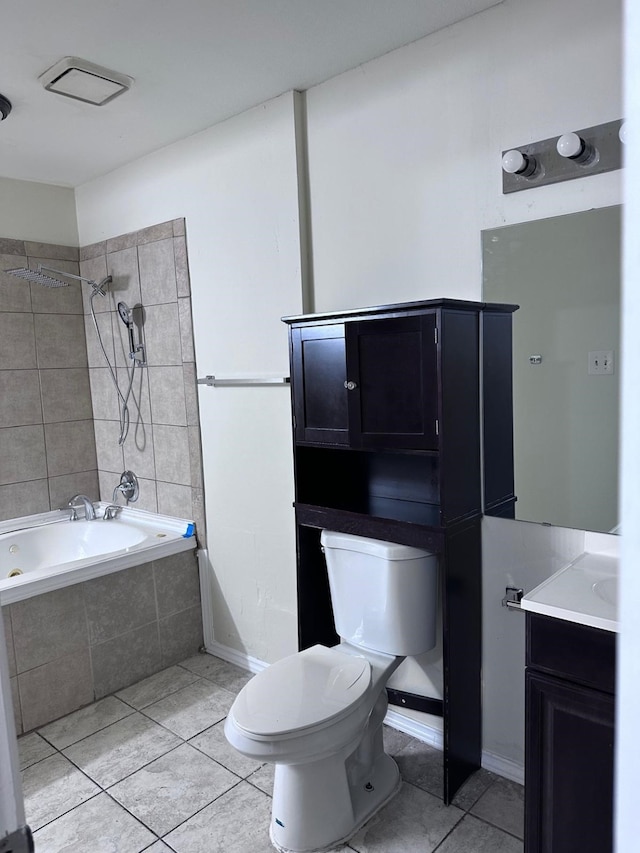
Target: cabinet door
(319,375)
(569,767)
(392,382)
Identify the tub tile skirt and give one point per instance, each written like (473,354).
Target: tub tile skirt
(74,645)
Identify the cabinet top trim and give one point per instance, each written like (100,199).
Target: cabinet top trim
(404,308)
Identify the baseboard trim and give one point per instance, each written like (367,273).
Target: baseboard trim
(421,731)
(503,767)
(241,659)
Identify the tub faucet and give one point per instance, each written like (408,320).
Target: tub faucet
(89,511)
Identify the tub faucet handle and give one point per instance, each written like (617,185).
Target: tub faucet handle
(110,512)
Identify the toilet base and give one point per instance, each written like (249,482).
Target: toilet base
(347,808)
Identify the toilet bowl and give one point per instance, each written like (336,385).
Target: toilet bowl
(317,715)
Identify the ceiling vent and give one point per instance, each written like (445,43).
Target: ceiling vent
(84,81)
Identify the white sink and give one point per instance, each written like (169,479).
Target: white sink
(607,590)
(586,592)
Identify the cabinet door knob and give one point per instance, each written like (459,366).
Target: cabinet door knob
(350,385)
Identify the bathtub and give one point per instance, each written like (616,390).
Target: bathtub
(45,552)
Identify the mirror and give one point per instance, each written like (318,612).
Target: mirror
(564,273)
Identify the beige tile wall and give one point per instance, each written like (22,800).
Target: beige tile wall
(71,646)
(150,274)
(47,448)
(59,415)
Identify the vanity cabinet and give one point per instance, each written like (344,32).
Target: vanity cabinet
(570,706)
(386,425)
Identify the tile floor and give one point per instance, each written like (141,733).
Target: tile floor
(149,769)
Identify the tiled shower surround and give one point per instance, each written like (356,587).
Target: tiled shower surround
(74,645)
(59,420)
(47,449)
(150,274)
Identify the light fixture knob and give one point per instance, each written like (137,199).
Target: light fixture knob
(575,148)
(515,162)
(623,133)
(5,107)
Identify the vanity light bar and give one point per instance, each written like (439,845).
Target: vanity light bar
(576,154)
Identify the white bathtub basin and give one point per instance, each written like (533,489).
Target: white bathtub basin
(54,552)
(29,550)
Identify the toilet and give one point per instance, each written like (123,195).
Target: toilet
(317,715)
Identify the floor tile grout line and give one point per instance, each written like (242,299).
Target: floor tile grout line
(202,752)
(169,750)
(497,826)
(198,678)
(206,806)
(68,811)
(101,729)
(450,832)
(106,789)
(134,816)
(185,740)
(165,696)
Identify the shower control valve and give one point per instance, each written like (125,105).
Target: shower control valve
(128,487)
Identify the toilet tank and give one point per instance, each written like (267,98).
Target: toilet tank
(384,595)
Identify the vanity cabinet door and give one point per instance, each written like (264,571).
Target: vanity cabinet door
(392,383)
(569,767)
(319,370)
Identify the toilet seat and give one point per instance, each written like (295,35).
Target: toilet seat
(304,692)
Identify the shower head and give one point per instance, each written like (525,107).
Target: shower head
(40,277)
(37,276)
(126,314)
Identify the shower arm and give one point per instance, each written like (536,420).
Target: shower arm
(99,288)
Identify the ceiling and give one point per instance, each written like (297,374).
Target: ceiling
(195,63)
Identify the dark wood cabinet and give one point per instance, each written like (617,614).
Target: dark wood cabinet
(497,413)
(368,383)
(386,423)
(319,374)
(570,710)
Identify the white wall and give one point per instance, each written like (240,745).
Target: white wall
(405,151)
(38,212)
(404,160)
(236,185)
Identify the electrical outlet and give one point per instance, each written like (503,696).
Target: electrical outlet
(601,363)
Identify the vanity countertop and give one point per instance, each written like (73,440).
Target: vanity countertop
(585,592)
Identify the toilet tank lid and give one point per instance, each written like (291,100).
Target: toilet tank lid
(374,547)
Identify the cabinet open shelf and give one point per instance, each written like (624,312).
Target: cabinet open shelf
(419,535)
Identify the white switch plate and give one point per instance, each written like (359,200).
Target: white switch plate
(601,363)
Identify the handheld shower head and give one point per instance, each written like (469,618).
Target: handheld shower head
(126,314)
